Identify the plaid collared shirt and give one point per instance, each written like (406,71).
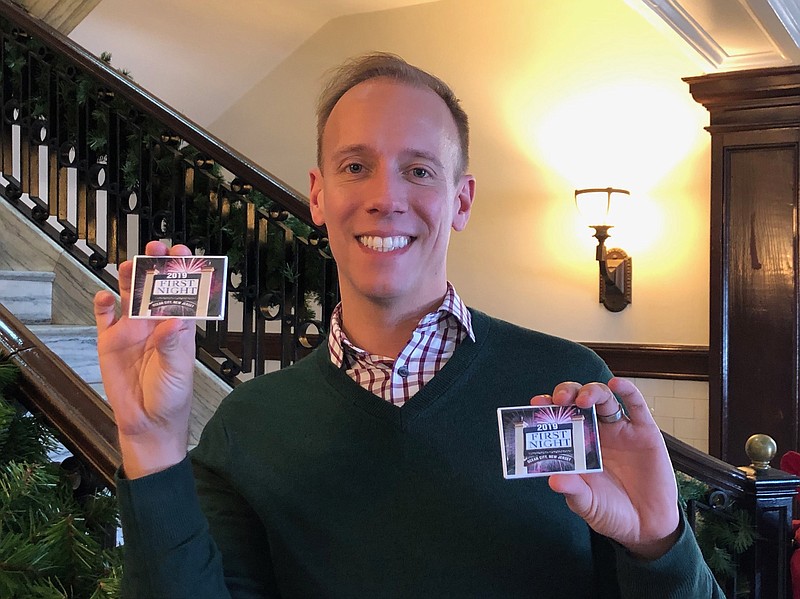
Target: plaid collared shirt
(432,343)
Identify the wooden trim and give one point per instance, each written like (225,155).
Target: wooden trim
(681,362)
(83,420)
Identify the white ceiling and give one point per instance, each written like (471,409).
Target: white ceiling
(228,45)
(212,55)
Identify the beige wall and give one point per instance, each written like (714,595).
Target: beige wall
(567,94)
(680,408)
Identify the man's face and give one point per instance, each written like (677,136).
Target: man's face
(389,192)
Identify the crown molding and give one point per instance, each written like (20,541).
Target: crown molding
(735,34)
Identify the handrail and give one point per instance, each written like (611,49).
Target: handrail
(767,495)
(84,422)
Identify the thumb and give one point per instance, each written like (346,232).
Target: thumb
(575,491)
(174,339)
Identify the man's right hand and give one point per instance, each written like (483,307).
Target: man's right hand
(147,368)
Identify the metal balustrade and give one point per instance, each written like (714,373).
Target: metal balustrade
(102,167)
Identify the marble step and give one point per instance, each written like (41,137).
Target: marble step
(76,345)
(27,295)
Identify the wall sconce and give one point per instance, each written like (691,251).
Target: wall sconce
(616,268)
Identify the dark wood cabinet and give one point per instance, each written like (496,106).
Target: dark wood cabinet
(753,342)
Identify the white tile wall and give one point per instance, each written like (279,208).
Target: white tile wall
(679,407)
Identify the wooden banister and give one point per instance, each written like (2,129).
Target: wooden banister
(83,421)
(768,495)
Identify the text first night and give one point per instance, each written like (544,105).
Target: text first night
(548,439)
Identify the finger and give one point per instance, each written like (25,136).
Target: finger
(124,273)
(542,400)
(635,405)
(159,248)
(601,397)
(125,278)
(585,396)
(156,248)
(180,250)
(565,393)
(104,310)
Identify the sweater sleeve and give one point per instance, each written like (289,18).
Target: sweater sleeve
(168,551)
(189,534)
(681,573)
(233,523)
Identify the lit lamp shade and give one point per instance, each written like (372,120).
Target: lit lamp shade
(596,205)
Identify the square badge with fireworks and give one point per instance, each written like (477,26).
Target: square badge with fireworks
(541,440)
(179,287)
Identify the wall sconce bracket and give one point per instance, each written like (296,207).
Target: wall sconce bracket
(616,276)
(616,267)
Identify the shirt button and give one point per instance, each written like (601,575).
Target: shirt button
(402,371)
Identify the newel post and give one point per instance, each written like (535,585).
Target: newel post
(770,495)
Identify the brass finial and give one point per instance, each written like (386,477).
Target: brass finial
(760,449)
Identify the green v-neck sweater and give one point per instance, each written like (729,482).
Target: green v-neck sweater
(310,486)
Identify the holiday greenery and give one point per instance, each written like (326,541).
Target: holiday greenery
(53,545)
(723,532)
(204,220)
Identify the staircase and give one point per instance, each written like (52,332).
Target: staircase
(51,292)
(70,209)
(29,296)
(76,345)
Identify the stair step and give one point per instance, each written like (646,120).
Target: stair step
(27,295)
(76,345)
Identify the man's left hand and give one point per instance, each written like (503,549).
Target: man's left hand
(635,499)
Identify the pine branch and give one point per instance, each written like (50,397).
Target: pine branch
(51,544)
(7,415)
(83,90)
(8,373)
(97,140)
(100,511)
(23,438)
(720,562)
(722,533)
(73,553)
(21,564)
(109,586)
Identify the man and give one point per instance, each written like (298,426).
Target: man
(372,468)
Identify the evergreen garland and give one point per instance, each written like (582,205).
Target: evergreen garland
(52,544)
(723,533)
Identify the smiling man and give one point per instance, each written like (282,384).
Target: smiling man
(390,187)
(372,468)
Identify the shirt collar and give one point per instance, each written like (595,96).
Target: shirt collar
(339,345)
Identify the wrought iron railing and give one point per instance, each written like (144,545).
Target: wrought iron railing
(103,167)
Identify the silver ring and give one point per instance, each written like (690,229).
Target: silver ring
(612,418)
